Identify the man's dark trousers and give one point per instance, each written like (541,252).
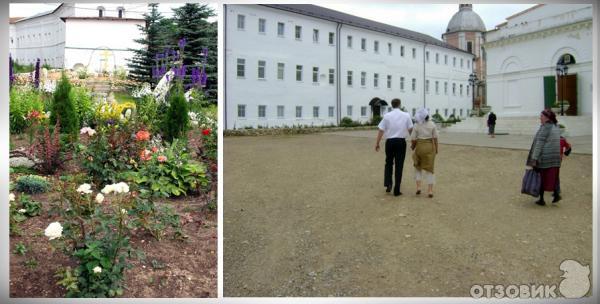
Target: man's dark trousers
(395,150)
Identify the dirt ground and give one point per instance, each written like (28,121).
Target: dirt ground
(308,216)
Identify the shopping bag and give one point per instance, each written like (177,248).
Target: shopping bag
(531,183)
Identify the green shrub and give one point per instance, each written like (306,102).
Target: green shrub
(64,108)
(23,100)
(82,99)
(437,118)
(32,184)
(348,122)
(376,120)
(147,112)
(176,121)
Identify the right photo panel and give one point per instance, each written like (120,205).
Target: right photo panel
(407,150)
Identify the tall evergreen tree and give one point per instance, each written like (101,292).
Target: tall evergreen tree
(140,66)
(63,107)
(192,24)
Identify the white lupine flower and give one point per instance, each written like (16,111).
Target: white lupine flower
(53,231)
(85,189)
(97,269)
(11,197)
(123,211)
(22,210)
(161,89)
(128,113)
(99,198)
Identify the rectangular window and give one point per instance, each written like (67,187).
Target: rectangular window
(401,83)
(427,86)
(331,109)
(454,61)
(446,59)
(315,35)
(316,112)
(315,74)
(375,80)
(427,56)
(389,81)
(349,42)
(363,111)
(468,64)
(349,81)
(280,70)
(298,111)
(261,69)
(241,67)
(363,44)
(454,89)
(280,111)
(469,46)
(414,84)
(445,88)
(331,76)
(298,73)
(446,112)
(280,29)
(401,51)
(363,78)
(437,87)
(437,58)
(331,38)
(461,112)
(461,63)
(262,111)
(349,111)
(241,111)
(414,53)
(460,90)
(389,48)
(376,46)
(262,24)
(298,32)
(241,22)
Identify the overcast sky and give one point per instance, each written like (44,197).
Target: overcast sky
(430,19)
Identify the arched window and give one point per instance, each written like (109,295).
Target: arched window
(100,11)
(121,11)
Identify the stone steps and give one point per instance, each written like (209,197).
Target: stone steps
(575,125)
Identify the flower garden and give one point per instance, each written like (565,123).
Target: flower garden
(113,195)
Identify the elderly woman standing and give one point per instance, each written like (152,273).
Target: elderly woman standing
(544,155)
(425,145)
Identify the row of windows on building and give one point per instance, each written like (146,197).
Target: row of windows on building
(262,75)
(262,111)
(262,28)
(102,10)
(50,61)
(33,37)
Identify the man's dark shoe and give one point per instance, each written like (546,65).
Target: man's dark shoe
(541,203)
(388,188)
(556,199)
(397,193)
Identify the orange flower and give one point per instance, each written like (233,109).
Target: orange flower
(145,155)
(161,158)
(154,149)
(142,135)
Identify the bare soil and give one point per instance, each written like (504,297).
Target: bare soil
(308,216)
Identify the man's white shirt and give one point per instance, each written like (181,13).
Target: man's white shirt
(395,124)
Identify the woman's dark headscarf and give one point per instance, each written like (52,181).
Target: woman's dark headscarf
(550,115)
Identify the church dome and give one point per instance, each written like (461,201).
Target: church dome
(465,20)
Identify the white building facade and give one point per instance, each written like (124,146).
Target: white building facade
(78,35)
(522,56)
(303,65)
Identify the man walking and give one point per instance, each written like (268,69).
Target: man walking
(396,126)
(491,122)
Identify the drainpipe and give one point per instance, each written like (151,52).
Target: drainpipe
(224,66)
(424,103)
(338,64)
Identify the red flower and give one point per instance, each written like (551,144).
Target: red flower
(34,114)
(142,135)
(145,155)
(206,132)
(154,149)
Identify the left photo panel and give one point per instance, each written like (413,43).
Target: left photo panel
(113,150)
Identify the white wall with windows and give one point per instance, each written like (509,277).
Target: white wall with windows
(527,48)
(267,49)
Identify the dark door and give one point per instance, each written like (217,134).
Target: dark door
(549,91)
(567,90)
(376,110)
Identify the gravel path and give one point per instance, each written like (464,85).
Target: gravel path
(308,216)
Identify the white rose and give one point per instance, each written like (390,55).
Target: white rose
(22,210)
(91,132)
(97,269)
(99,198)
(85,189)
(123,211)
(53,231)
(121,187)
(11,197)
(108,189)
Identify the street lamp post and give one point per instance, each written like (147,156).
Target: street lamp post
(473,81)
(562,70)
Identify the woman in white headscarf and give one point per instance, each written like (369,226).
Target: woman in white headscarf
(425,145)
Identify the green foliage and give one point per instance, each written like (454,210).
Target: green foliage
(20,249)
(376,120)
(32,208)
(32,184)
(82,99)
(64,108)
(141,64)
(68,280)
(176,176)
(176,121)
(47,149)
(22,68)
(23,100)
(147,112)
(437,118)
(82,73)
(155,219)
(348,122)
(31,263)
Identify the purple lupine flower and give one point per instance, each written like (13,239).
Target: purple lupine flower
(195,77)
(110,122)
(203,78)
(36,79)
(11,72)
(182,43)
